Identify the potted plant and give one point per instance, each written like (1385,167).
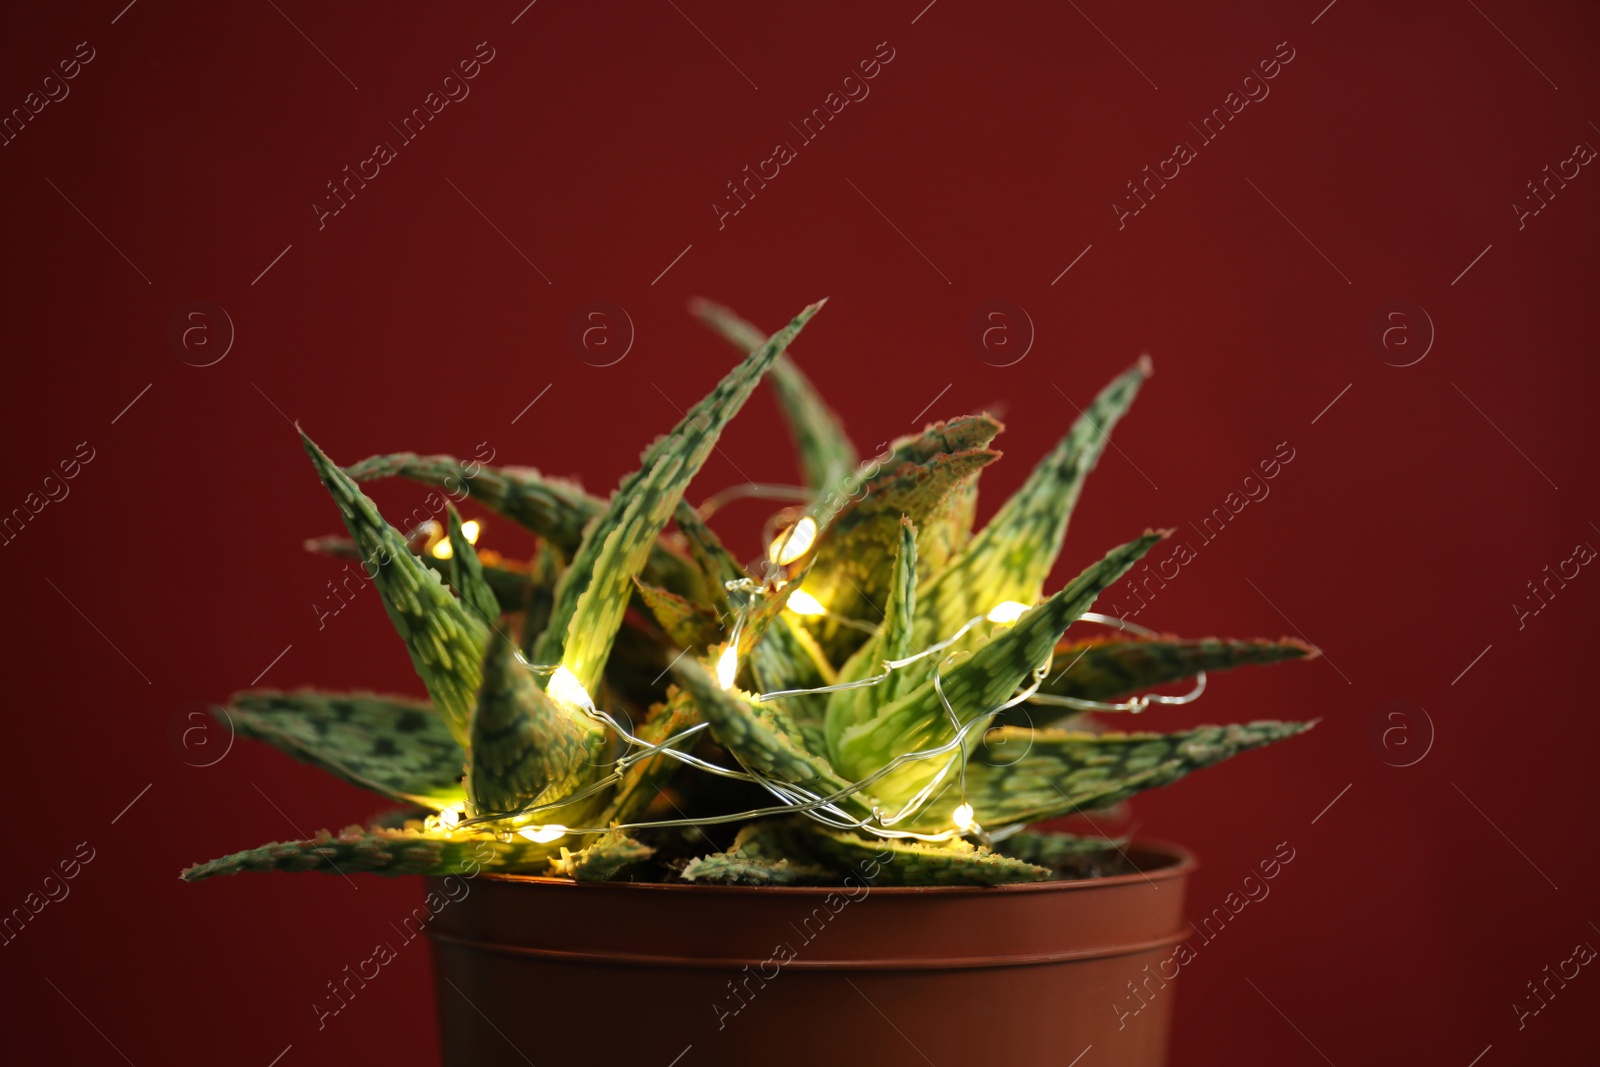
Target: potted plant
(667,801)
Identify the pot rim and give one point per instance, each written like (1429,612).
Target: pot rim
(1178,863)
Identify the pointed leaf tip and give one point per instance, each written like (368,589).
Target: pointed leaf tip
(444,638)
(593,594)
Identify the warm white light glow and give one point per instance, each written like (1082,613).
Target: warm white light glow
(449,817)
(565,687)
(803,603)
(1007,612)
(543,835)
(963,817)
(794,542)
(443,549)
(728,666)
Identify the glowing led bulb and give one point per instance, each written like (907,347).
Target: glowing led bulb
(794,542)
(728,666)
(565,687)
(1007,611)
(449,817)
(442,549)
(543,835)
(803,603)
(962,817)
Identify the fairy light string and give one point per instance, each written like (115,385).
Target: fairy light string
(793,799)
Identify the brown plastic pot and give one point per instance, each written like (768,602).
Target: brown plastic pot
(540,970)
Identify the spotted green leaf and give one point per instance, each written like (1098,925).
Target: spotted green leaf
(601,859)
(769,852)
(759,736)
(1010,558)
(892,641)
(550,507)
(825,452)
(511,586)
(978,684)
(688,625)
(377,850)
(393,746)
(526,747)
(1063,853)
(901,862)
(543,574)
(593,594)
(466,572)
(1108,668)
(941,534)
(643,781)
(961,434)
(444,637)
(786,656)
(555,509)
(854,553)
(1021,775)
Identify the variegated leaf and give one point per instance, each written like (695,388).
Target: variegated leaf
(691,626)
(849,707)
(511,585)
(1062,853)
(716,564)
(768,852)
(775,650)
(962,434)
(466,572)
(445,639)
(825,452)
(556,510)
(902,862)
(594,592)
(1068,856)
(759,736)
(1111,667)
(850,575)
(375,850)
(976,685)
(643,781)
(734,868)
(601,859)
(543,574)
(786,656)
(551,507)
(1019,775)
(1010,558)
(1108,668)
(393,746)
(942,535)
(526,747)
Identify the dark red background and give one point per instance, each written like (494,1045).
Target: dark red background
(1414,512)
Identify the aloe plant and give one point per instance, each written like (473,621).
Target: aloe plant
(881,683)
